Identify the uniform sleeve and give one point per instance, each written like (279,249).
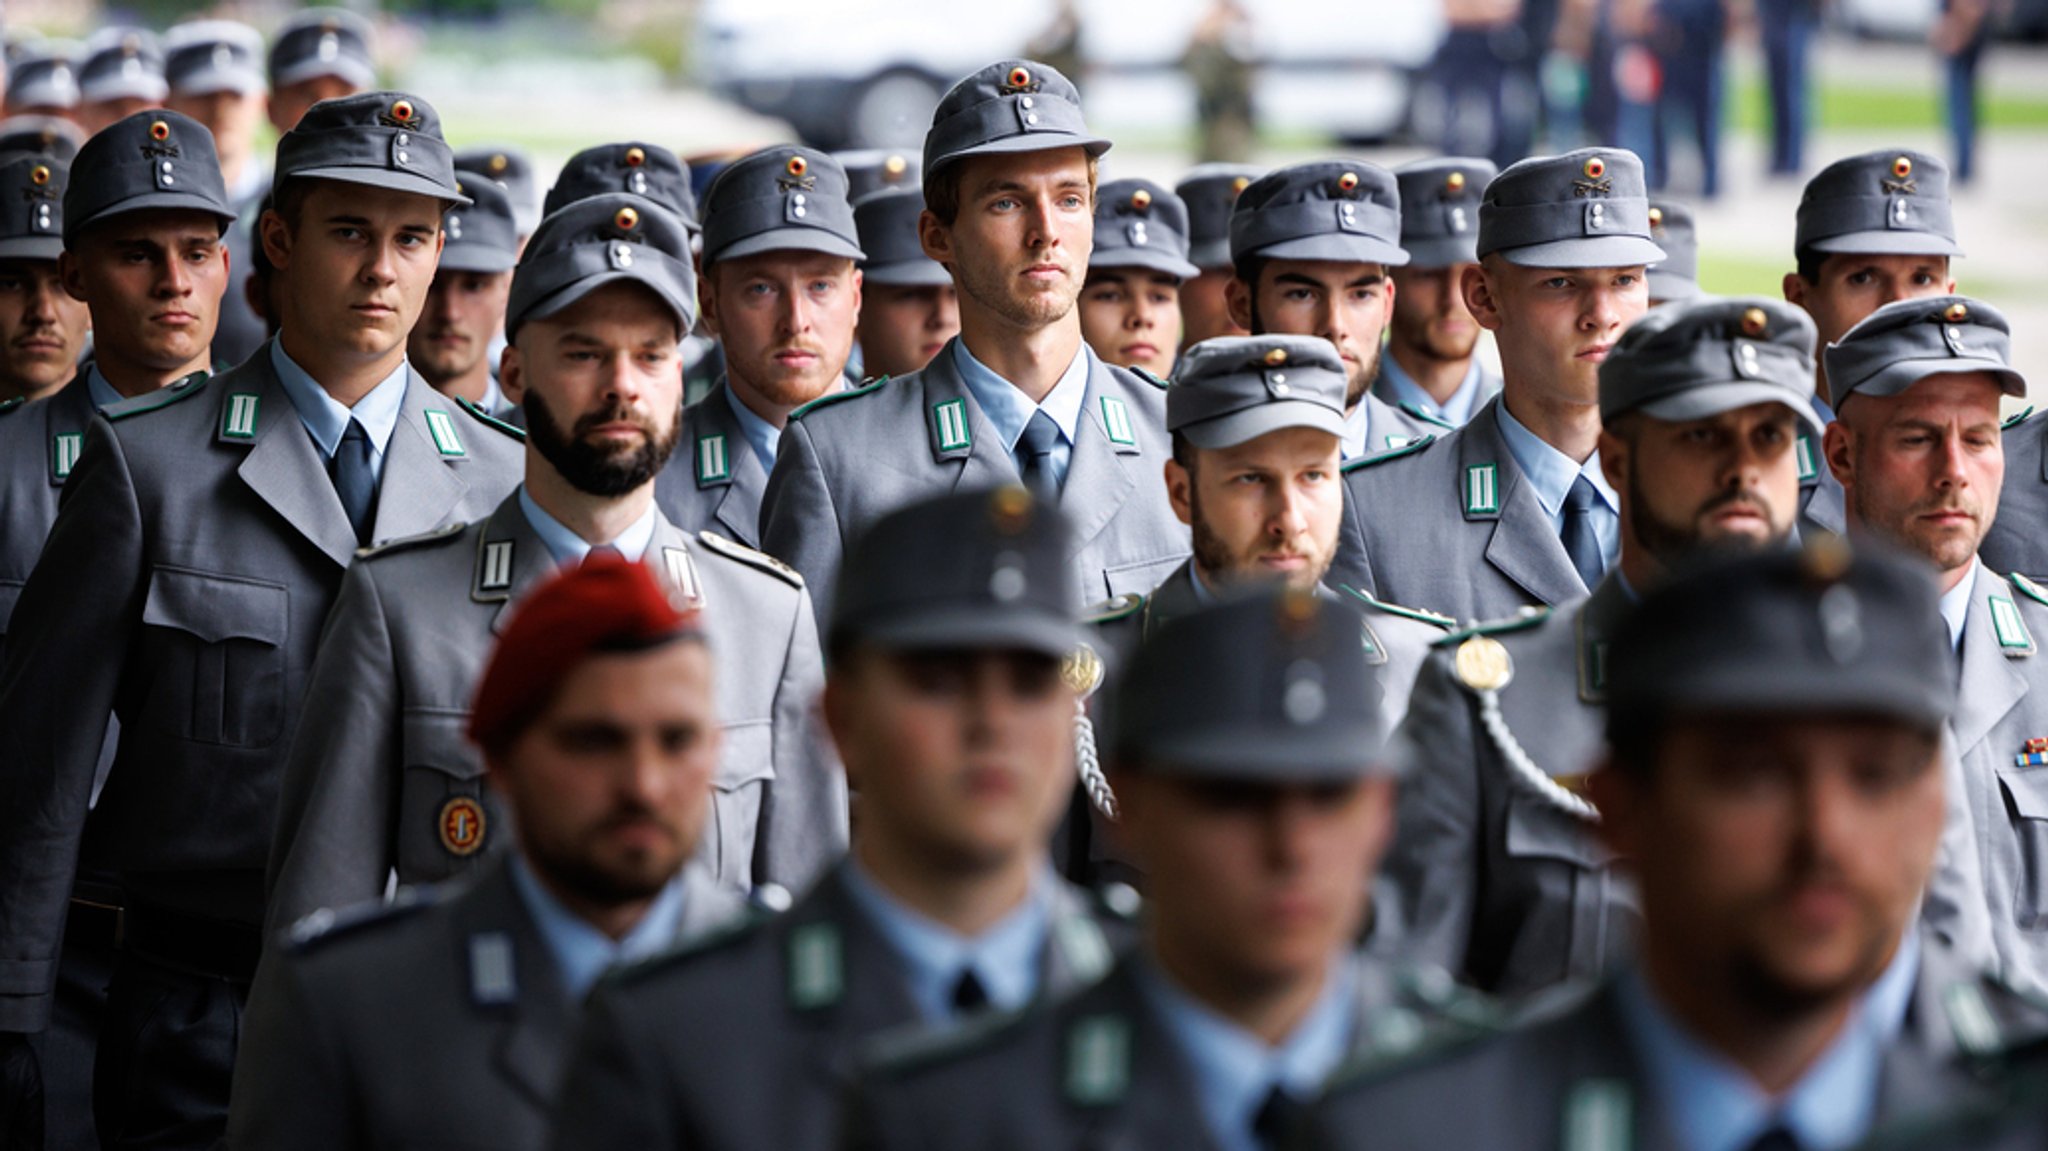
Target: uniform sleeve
(613,1095)
(799,522)
(70,641)
(1432,869)
(291,1088)
(1351,567)
(804,821)
(335,839)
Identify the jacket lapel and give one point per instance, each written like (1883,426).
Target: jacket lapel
(1098,478)
(419,490)
(283,466)
(510,558)
(744,481)
(957,429)
(536,1017)
(1992,687)
(1523,547)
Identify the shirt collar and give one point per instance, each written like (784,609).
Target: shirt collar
(1955,604)
(762,436)
(569,548)
(581,952)
(1889,999)
(1456,410)
(326,417)
(1713,1105)
(1235,1070)
(1004,958)
(1009,409)
(98,390)
(1550,472)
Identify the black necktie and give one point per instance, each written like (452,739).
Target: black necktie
(355,480)
(1581,542)
(1276,1117)
(1035,447)
(607,551)
(969,995)
(1776,1139)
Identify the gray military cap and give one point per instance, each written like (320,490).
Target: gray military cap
(1789,632)
(381,139)
(1906,341)
(509,167)
(871,170)
(1009,106)
(481,235)
(40,136)
(1347,211)
(784,198)
(32,207)
(1695,360)
(122,64)
(202,57)
(323,42)
(887,224)
(45,75)
(1890,202)
(1584,209)
(600,240)
(972,569)
(1440,209)
(1236,388)
(1210,191)
(1271,687)
(150,160)
(1677,276)
(646,170)
(1139,224)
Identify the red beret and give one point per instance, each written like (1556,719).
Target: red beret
(605,604)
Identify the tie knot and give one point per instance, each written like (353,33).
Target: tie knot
(354,432)
(1777,1138)
(1275,1118)
(1041,435)
(968,993)
(1582,496)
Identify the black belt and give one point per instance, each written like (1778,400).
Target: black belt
(196,944)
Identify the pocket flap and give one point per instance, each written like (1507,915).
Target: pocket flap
(2027,788)
(1538,830)
(217,608)
(434,739)
(749,755)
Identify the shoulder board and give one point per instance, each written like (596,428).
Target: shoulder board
(1407,449)
(1415,613)
(404,542)
(757,559)
(2017,418)
(1149,378)
(488,420)
(1414,409)
(1115,608)
(739,929)
(862,389)
(1523,620)
(908,1049)
(7,406)
(326,925)
(2029,588)
(163,397)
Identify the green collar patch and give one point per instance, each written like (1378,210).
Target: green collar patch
(1970,1018)
(1442,622)
(1407,449)
(1115,608)
(239,418)
(1098,1060)
(682,577)
(2013,637)
(949,427)
(2029,588)
(1149,378)
(1597,1117)
(64,449)
(2017,418)
(1116,420)
(713,465)
(1803,453)
(817,975)
(1482,490)
(7,406)
(446,441)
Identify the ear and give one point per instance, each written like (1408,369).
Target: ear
(512,373)
(68,274)
(1387,304)
(1477,286)
(707,301)
(1835,444)
(276,238)
(1614,460)
(1794,287)
(857,281)
(1180,491)
(935,238)
(1237,296)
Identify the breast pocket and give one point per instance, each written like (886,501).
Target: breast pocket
(2026,791)
(446,823)
(746,770)
(217,644)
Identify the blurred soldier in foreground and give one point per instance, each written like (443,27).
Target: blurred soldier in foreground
(43,328)
(1130,304)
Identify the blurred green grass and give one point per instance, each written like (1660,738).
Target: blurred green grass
(1913,102)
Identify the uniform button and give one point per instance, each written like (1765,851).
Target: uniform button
(1027,102)
(403,158)
(404,139)
(800,213)
(798,199)
(1031,119)
(1955,333)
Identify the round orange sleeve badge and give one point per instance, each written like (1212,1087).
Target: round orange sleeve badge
(462,826)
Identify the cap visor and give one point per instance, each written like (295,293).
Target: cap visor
(1143,258)
(1244,426)
(1024,142)
(382,178)
(1441,253)
(1707,400)
(1587,252)
(477,258)
(353,71)
(142,88)
(684,311)
(1903,374)
(1900,243)
(1665,286)
(919,273)
(1272,754)
(791,240)
(1337,247)
(156,201)
(41,96)
(31,248)
(209,81)
(1898,692)
(974,626)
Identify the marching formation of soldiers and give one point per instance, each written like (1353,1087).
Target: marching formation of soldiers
(1178,697)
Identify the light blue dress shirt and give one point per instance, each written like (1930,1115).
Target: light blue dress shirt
(1551,473)
(1457,410)
(762,436)
(581,952)
(569,548)
(1009,409)
(325,417)
(1005,958)
(1955,604)
(1234,1070)
(98,390)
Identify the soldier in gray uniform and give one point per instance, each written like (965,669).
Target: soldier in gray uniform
(781,293)
(1009,186)
(1130,303)
(32,229)
(42,79)
(947,701)
(43,329)
(39,136)
(1247,757)
(203,535)
(872,170)
(1871,229)
(511,168)
(1210,191)
(1499,873)
(1675,278)
(380,780)
(451,346)
(1916,447)
(1513,509)
(1775,774)
(215,72)
(641,169)
(1430,365)
(909,308)
(122,74)
(446,1022)
(1312,246)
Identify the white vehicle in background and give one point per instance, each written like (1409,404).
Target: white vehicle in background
(867,73)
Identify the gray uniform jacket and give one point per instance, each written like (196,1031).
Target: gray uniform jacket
(1383,388)
(1823,505)
(1097,1071)
(443,1024)
(849,459)
(39,445)
(748,1042)
(1447,525)
(2018,541)
(199,546)
(1494,880)
(713,482)
(1573,1082)
(380,775)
